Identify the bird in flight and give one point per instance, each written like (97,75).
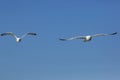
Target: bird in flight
(86,38)
(18,39)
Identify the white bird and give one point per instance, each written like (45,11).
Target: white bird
(86,38)
(18,39)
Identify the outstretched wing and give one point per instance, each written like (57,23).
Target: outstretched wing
(72,38)
(104,34)
(9,33)
(30,33)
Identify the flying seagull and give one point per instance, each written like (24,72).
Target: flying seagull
(18,39)
(86,38)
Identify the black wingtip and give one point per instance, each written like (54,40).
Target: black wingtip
(2,34)
(32,33)
(114,33)
(62,39)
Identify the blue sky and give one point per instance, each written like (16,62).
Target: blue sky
(44,57)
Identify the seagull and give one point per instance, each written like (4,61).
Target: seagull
(86,38)
(18,39)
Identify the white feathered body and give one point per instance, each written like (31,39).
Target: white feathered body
(87,38)
(18,39)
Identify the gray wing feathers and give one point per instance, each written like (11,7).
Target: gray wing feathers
(9,33)
(30,33)
(104,34)
(72,38)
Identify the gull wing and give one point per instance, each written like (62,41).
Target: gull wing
(9,33)
(104,34)
(29,33)
(72,38)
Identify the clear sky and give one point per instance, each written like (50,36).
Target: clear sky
(44,57)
